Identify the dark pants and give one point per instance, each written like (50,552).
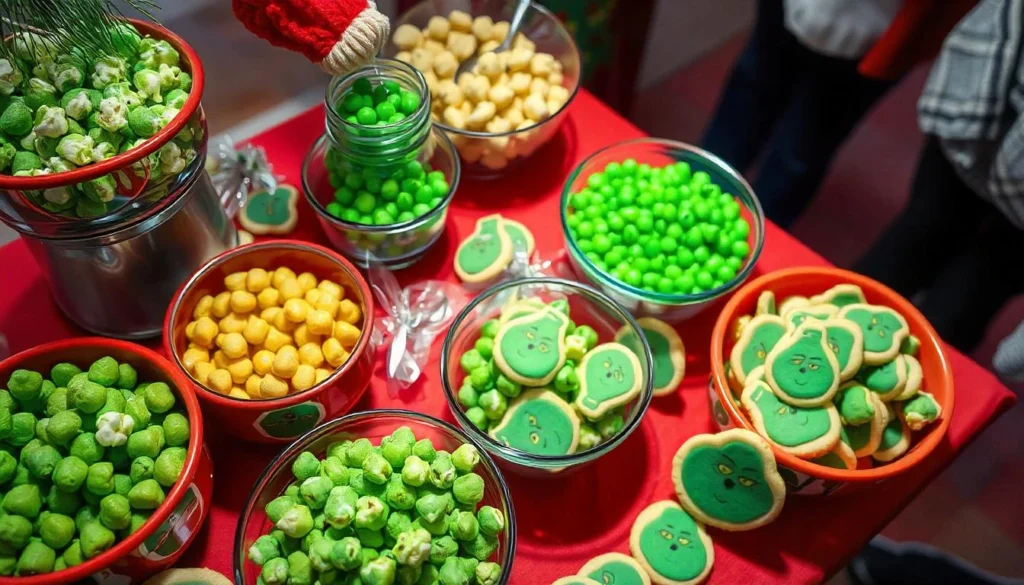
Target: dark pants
(954,247)
(791,105)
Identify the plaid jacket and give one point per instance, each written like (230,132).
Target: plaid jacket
(974,101)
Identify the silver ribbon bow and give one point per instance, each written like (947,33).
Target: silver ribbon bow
(238,171)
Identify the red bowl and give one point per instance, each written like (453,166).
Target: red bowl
(174,525)
(277,420)
(801,475)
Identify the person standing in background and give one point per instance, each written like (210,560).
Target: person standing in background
(809,72)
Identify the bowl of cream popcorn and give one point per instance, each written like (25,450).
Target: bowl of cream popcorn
(512,102)
(275,337)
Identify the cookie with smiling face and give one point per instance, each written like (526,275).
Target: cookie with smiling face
(887,380)
(667,351)
(801,369)
(729,480)
(485,253)
(756,340)
(840,296)
(615,569)
(530,348)
(795,317)
(846,341)
(610,376)
(884,330)
(670,545)
(805,432)
(541,423)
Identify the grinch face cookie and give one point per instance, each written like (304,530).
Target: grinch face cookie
(864,439)
(530,349)
(270,212)
(485,253)
(855,404)
(541,423)
(895,439)
(846,341)
(796,317)
(886,380)
(921,411)
(521,238)
(915,376)
(884,330)
(840,457)
(729,480)
(801,368)
(766,304)
(793,302)
(575,580)
(840,296)
(670,545)
(615,569)
(756,340)
(667,350)
(804,432)
(610,376)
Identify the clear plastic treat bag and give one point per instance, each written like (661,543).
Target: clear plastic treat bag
(237,172)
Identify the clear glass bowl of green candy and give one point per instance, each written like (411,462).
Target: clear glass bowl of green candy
(532,370)
(412,473)
(662,227)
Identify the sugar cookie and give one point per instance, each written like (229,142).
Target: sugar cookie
(267,212)
(846,341)
(729,480)
(519,307)
(188,577)
(756,340)
(840,295)
(539,422)
(486,253)
(840,457)
(887,380)
(920,411)
(884,330)
(610,376)
(792,302)
(911,345)
(806,432)
(864,439)
(795,317)
(895,439)
(667,351)
(520,236)
(855,404)
(245,237)
(766,304)
(615,569)
(530,349)
(575,580)
(915,376)
(801,368)
(672,547)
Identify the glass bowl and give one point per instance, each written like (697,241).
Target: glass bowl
(489,155)
(373,425)
(670,307)
(586,307)
(396,245)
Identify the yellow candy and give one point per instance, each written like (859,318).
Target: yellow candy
(295,310)
(280,275)
(221,305)
(311,354)
(307,281)
(273,387)
(233,323)
(240,393)
(285,362)
(346,333)
(252,385)
(205,331)
(234,345)
(235,281)
(304,378)
(219,381)
(270,313)
(282,323)
(193,356)
(349,311)
(240,369)
(290,289)
(322,374)
(268,298)
(319,322)
(201,371)
(256,280)
(311,296)
(256,330)
(332,288)
(220,359)
(203,307)
(276,340)
(262,361)
(242,301)
(303,336)
(327,302)
(217,340)
(334,353)
(190,330)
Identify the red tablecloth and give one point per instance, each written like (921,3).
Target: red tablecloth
(563,521)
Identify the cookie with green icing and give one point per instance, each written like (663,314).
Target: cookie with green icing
(530,349)
(615,569)
(895,439)
(517,307)
(575,580)
(766,304)
(610,376)
(884,330)
(915,377)
(188,577)
(805,432)
(793,302)
(801,369)
(855,404)
(911,345)
(840,296)
(840,457)
(846,341)
(887,380)
(486,253)
(520,236)
(729,480)
(920,411)
(667,350)
(755,342)
(541,423)
(245,237)
(270,212)
(672,547)
(796,317)
(864,439)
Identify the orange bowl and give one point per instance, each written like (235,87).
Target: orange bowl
(277,420)
(173,526)
(805,477)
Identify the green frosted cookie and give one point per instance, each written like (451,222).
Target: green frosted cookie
(539,422)
(530,349)
(801,369)
(575,580)
(766,304)
(805,432)
(887,380)
(672,547)
(921,411)
(864,439)
(756,340)
(884,330)
(485,253)
(840,457)
(840,296)
(895,439)
(615,569)
(610,376)
(855,404)
(915,377)
(846,341)
(795,317)
(667,351)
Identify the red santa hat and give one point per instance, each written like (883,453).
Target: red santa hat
(338,35)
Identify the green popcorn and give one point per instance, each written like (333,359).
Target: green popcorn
(61,502)
(398,495)
(412,547)
(86,448)
(468,489)
(15,532)
(25,384)
(395,452)
(24,162)
(507,387)
(144,443)
(66,76)
(127,377)
(10,77)
(467,396)
(380,571)
(143,121)
(42,461)
(471,360)
(176,429)
(482,378)
(168,466)
(74,127)
(114,429)
(115,403)
(76,149)
(589,437)
(115,512)
(275,571)
(185,81)
(159,398)
(403,436)
(23,429)
(64,426)
(491,520)
(36,559)
(610,425)
(463,525)
(78,106)
(296,522)
(153,53)
(358,451)
(424,449)
(137,409)
(100,478)
(170,77)
(86,208)
(441,549)
(85,395)
(490,329)
(8,465)
(57,402)
(346,554)
(73,554)
(371,540)
(24,500)
(95,538)
(398,522)
(146,495)
(176,98)
(432,507)
(50,121)
(148,83)
(588,334)
(122,484)
(465,458)
(416,471)
(126,39)
(371,513)
(488,573)
(107,70)
(306,465)
(265,548)
(124,92)
(485,347)
(85,516)
(142,468)
(278,507)
(456,571)
(112,115)
(340,508)
(104,371)
(5,422)
(320,555)
(567,380)
(494,404)
(442,471)
(333,469)
(172,158)
(7,152)
(57,530)
(40,93)
(481,547)
(376,469)
(338,450)
(314,491)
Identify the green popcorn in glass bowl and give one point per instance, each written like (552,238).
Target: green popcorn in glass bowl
(124,92)
(76,149)
(86,208)
(107,70)
(112,114)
